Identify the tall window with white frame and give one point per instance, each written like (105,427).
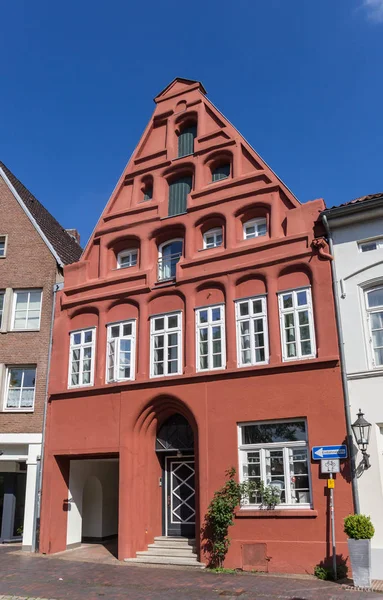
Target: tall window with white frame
(166,345)
(2,295)
(374,307)
(81,357)
(276,454)
(26,309)
(210,343)
(121,348)
(252,335)
(297,324)
(20,388)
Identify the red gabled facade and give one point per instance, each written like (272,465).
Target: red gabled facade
(210,386)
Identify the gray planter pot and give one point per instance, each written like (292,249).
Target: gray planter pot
(360,557)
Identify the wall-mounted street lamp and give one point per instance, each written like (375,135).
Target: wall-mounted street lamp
(362,429)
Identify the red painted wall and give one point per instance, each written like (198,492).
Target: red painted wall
(124,418)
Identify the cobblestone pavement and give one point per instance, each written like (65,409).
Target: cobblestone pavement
(26,576)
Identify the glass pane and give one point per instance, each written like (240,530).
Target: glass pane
(210,240)
(21,300)
(276,472)
(159,355)
(246,357)
(74,379)
(124,372)
(27,398)
(159,324)
(76,354)
(159,341)
(203,334)
(306,348)
(304,332)
(202,316)
(244,309)
(301,298)
(86,365)
(258,325)
(291,350)
(259,355)
(173,321)
(216,331)
(290,335)
(86,377)
(267,433)
(257,306)
(216,314)
(15,378)
(217,361)
(29,378)
(88,336)
(173,353)
(20,319)
(87,352)
(125,345)
(76,339)
(245,327)
(259,340)
(159,369)
(289,320)
(375,298)
(203,348)
(377,320)
(218,239)
(13,398)
(127,329)
(75,367)
(115,331)
(173,339)
(33,319)
(261,228)
(203,362)
(379,356)
(303,317)
(245,342)
(173,366)
(368,246)
(35,301)
(216,347)
(287,300)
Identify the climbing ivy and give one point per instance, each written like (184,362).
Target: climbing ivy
(220,513)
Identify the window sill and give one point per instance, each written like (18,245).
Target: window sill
(18,410)
(22,330)
(285,513)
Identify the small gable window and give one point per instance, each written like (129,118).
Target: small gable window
(221,172)
(213,238)
(254,228)
(127,258)
(186,140)
(148,192)
(178,193)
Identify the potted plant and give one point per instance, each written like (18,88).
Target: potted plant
(360,530)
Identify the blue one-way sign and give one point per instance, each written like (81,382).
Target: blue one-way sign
(320,452)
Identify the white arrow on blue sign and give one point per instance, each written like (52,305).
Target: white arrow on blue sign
(321,452)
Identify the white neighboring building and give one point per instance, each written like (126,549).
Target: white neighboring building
(356,230)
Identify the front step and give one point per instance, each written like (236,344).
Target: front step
(166,560)
(169,551)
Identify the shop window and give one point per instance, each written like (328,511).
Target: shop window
(276,454)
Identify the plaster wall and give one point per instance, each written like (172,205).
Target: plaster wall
(356,272)
(92,500)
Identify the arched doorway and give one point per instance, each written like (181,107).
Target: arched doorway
(175,450)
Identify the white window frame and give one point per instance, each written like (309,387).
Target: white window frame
(212,232)
(295,309)
(26,291)
(5,238)
(165,332)
(2,308)
(209,325)
(254,223)
(251,316)
(117,350)
(368,312)
(377,241)
(125,254)
(160,266)
(81,346)
(264,450)
(7,381)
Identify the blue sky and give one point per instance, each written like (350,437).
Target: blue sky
(300,79)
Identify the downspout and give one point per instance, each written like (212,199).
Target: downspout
(343,369)
(40,463)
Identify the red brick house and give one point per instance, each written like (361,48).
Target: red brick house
(196,333)
(34,248)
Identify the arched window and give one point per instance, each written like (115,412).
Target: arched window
(222,171)
(186,140)
(169,254)
(179,190)
(213,238)
(254,228)
(127,258)
(148,191)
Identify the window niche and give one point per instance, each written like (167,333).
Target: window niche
(186,130)
(253,223)
(212,232)
(146,188)
(219,167)
(124,254)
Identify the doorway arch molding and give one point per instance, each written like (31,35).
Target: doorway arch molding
(158,410)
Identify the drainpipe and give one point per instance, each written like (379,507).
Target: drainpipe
(40,459)
(343,369)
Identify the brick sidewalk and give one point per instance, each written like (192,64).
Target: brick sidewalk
(25,576)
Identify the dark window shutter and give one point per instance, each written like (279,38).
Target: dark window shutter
(178,193)
(221,172)
(186,140)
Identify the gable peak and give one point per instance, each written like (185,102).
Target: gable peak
(179,86)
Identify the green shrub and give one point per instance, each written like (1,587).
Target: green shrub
(321,572)
(358,527)
(326,573)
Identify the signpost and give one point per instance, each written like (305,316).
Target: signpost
(330,463)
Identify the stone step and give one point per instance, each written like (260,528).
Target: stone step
(167,542)
(166,560)
(172,546)
(153,550)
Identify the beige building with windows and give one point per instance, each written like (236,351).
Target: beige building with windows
(34,248)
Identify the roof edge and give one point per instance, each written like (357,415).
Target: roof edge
(349,209)
(31,218)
